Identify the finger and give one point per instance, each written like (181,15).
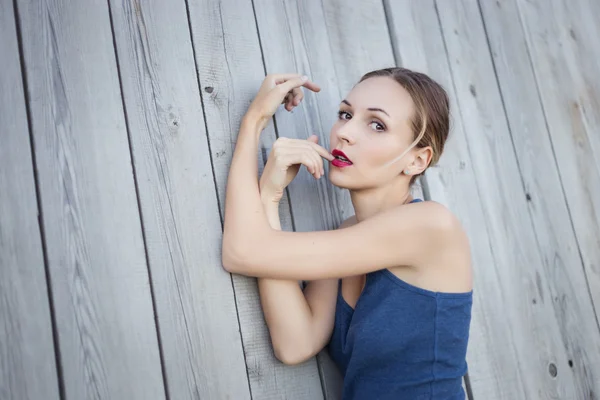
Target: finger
(298,82)
(293,98)
(280,78)
(298,157)
(290,145)
(315,160)
(298,96)
(288,102)
(286,99)
(321,163)
(314,147)
(299,151)
(309,156)
(309,161)
(318,163)
(322,151)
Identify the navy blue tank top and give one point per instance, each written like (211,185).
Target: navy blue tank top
(401,341)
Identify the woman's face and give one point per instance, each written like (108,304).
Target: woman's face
(373,128)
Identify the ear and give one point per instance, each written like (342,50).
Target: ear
(422,160)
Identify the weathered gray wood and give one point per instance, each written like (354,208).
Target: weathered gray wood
(356,51)
(230,68)
(27,360)
(95,252)
(521,271)
(567,285)
(419,45)
(562,39)
(197,316)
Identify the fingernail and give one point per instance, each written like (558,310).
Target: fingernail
(304,78)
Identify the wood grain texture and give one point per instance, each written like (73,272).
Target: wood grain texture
(562,41)
(27,358)
(520,260)
(197,316)
(95,252)
(567,287)
(493,362)
(230,68)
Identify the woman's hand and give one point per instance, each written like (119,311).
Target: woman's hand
(278,89)
(284,163)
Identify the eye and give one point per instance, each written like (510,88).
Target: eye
(378,126)
(344,115)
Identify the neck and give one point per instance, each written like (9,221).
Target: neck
(368,202)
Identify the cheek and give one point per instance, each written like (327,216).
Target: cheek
(377,154)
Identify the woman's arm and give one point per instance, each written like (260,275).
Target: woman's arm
(300,323)
(407,235)
(404,235)
(414,235)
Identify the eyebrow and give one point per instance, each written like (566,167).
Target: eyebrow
(370,108)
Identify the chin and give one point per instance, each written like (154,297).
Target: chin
(346,180)
(340,179)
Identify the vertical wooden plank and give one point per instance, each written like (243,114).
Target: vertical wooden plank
(419,45)
(230,68)
(201,343)
(567,286)
(562,39)
(521,271)
(357,51)
(95,252)
(28,363)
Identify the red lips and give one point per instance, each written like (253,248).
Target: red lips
(341,159)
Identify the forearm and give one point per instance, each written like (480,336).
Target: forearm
(245,218)
(286,310)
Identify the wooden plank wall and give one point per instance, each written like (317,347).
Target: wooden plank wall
(195,306)
(27,353)
(95,251)
(230,69)
(536,101)
(119,122)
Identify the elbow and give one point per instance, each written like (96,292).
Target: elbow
(241,254)
(230,254)
(237,256)
(293,355)
(228,262)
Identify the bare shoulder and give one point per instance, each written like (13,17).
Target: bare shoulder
(447,266)
(436,215)
(438,218)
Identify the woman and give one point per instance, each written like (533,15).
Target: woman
(397,323)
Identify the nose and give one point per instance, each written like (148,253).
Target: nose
(345,134)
